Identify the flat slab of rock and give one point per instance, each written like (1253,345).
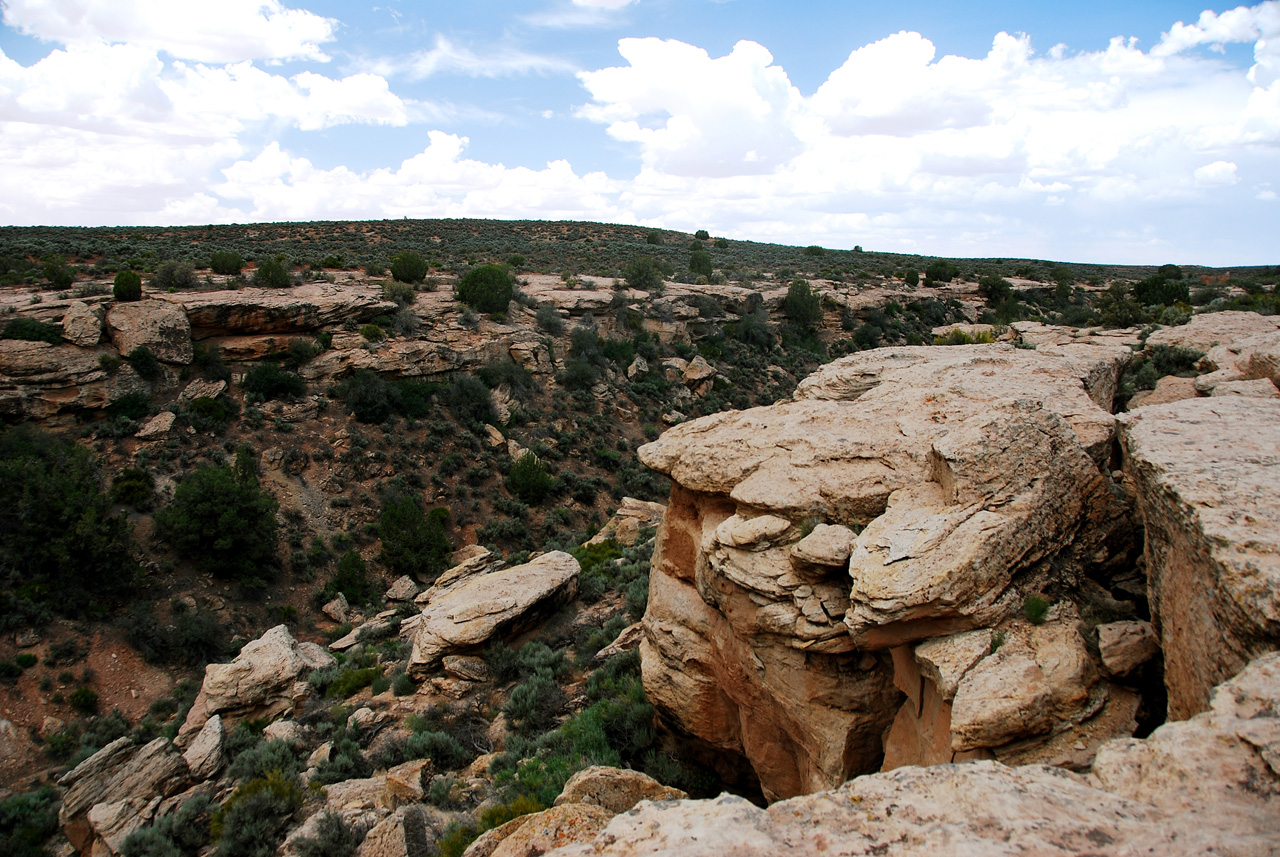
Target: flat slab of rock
(404,589)
(1208,329)
(488,605)
(625,525)
(294,310)
(118,772)
(827,544)
(1206,472)
(617,790)
(157,427)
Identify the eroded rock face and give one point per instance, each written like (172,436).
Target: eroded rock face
(974,476)
(161,327)
(1206,472)
(82,325)
(264,311)
(483,606)
(1210,785)
(257,683)
(40,380)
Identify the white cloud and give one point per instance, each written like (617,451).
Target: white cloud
(1258,24)
(611,5)
(202,30)
(448,58)
(1217,173)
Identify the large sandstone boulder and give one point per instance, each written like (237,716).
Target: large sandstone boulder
(257,683)
(82,325)
(1205,472)
(614,789)
(265,311)
(975,474)
(434,352)
(124,783)
(161,327)
(1210,785)
(490,605)
(40,380)
(1210,329)
(537,833)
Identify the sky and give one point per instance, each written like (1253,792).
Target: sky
(1138,132)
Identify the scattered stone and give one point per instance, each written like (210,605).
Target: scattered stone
(119,771)
(536,834)
(494,436)
(204,756)
(628,640)
(157,427)
(639,366)
(26,638)
(614,789)
(1125,646)
(338,609)
(283,730)
(466,668)
(625,525)
(361,718)
(827,544)
(200,388)
(404,589)
(404,782)
(81,325)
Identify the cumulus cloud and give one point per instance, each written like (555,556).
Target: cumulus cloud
(214,31)
(603,4)
(446,57)
(1217,173)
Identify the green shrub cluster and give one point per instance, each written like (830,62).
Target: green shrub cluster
(413,543)
(409,267)
(272,274)
(227,262)
(253,820)
(173,275)
(127,287)
(268,381)
(32,330)
(487,288)
(27,821)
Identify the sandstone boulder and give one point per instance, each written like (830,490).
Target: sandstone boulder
(39,380)
(403,589)
(1125,646)
(81,325)
(825,545)
(632,516)
(495,604)
(257,683)
(162,327)
(410,831)
(1206,330)
(1205,472)
(205,756)
(614,789)
(295,310)
(536,834)
(158,427)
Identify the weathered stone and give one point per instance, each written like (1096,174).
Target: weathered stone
(257,683)
(614,789)
(204,756)
(1170,388)
(157,427)
(536,834)
(118,772)
(112,822)
(628,640)
(161,327)
(81,325)
(489,605)
(639,366)
(294,310)
(1262,388)
(626,524)
(827,544)
(361,719)
(1125,646)
(698,371)
(466,668)
(404,782)
(200,388)
(1205,330)
(404,589)
(337,609)
(283,730)
(945,660)
(408,832)
(1205,473)
(365,793)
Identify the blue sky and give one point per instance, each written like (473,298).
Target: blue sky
(1105,132)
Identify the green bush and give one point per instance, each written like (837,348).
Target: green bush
(178,834)
(444,751)
(253,820)
(801,306)
(534,704)
(372,333)
(468,398)
(487,288)
(700,263)
(223,521)
(644,273)
(31,330)
(272,274)
(62,548)
(226,262)
(134,487)
(413,543)
(366,396)
(352,680)
(131,406)
(192,638)
(208,415)
(352,580)
(27,821)
(84,700)
(268,381)
(941,271)
(529,479)
(145,364)
(127,287)
(1036,609)
(333,838)
(174,275)
(409,267)
(264,757)
(548,319)
(401,293)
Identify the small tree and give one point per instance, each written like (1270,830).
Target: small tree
(223,521)
(487,288)
(175,275)
(127,287)
(941,271)
(644,273)
(271,274)
(994,289)
(801,306)
(700,263)
(268,381)
(702,235)
(413,543)
(226,262)
(529,479)
(410,267)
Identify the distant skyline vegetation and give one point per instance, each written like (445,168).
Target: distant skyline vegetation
(1144,134)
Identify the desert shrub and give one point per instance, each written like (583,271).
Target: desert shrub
(444,750)
(529,479)
(145,363)
(352,580)
(495,373)
(272,274)
(268,381)
(206,414)
(301,351)
(1036,609)
(27,821)
(366,396)
(959,337)
(413,543)
(84,700)
(175,275)
(548,319)
(1174,359)
(127,287)
(131,406)
(207,360)
(252,821)
(801,306)
(487,288)
(194,637)
(226,262)
(351,680)
(62,548)
(372,333)
(402,294)
(264,757)
(333,838)
(178,834)
(941,271)
(468,398)
(134,487)
(223,521)
(409,267)
(31,330)
(534,704)
(645,273)
(1162,288)
(700,263)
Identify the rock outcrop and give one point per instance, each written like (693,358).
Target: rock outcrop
(481,607)
(39,380)
(257,683)
(977,477)
(1210,785)
(1205,473)
(300,309)
(157,325)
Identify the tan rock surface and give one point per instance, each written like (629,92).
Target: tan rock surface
(40,380)
(536,834)
(1205,472)
(294,310)
(1125,646)
(1170,388)
(827,544)
(615,789)
(81,325)
(632,516)
(257,682)
(1205,330)
(204,756)
(118,772)
(489,605)
(160,326)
